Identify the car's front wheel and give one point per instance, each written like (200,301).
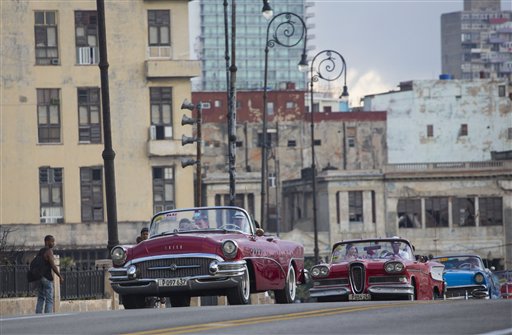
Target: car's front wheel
(133,301)
(287,295)
(241,295)
(180,301)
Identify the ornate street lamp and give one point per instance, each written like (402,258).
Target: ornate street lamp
(288,31)
(328,65)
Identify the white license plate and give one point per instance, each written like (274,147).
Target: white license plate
(172,282)
(359,297)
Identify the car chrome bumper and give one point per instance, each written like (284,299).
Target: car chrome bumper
(467,292)
(376,291)
(328,292)
(222,275)
(391,290)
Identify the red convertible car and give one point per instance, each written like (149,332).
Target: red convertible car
(376,269)
(206,251)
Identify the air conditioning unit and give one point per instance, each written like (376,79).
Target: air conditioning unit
(54,61)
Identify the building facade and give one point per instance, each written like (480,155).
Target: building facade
(441,187)
(342,141)
(52,175)
(477,42)
(251,30)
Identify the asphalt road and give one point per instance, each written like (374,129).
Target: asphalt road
(489,317)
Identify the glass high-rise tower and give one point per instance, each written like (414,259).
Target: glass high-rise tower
(251,29)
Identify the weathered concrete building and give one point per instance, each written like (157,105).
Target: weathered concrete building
(52,134)
(440,188)
(342,141)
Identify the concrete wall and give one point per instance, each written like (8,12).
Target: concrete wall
(446,105)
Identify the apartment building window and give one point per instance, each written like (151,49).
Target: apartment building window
(163,188)
(355,206)
(91,190)
(218,103)
(510,133)
(463,130)
(327,109)
(430,130)
(159,27)
(292,143)
(502,91)
(409,213)
(436,212)
(351,136)
(491,211)
(272,179)
(463,212)
(89,126)
(45,28)
(270,108)
(86,37)
(290,104)
(50,193)
(317,142)
(48,115)
(271,139)
(161,112)
(206,105)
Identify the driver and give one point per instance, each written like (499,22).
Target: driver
(399,252)
(240,221)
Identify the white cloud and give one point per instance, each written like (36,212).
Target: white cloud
(367,83)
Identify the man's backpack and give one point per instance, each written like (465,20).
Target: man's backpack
(35,270)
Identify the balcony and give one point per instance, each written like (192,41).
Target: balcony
(169,148)
(168,68)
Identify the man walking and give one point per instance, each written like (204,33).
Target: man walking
(45,284)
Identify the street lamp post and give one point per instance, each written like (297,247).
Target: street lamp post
(108,153)
(328,65)
(230,54)
(198,139)
(287,32)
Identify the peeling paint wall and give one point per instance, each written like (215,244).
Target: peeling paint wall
(446,105)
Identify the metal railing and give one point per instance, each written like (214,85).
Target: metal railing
(79,283)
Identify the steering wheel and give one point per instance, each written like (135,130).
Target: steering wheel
(386,254)
(465,266)
(229,226)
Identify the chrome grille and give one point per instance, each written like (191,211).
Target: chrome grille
(174,267)
(385,279)
(357,277)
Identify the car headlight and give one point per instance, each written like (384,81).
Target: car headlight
(394,267)
(479,278)
(229,248)
(320,271)
(118,255)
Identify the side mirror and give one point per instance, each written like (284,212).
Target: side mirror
(259,232)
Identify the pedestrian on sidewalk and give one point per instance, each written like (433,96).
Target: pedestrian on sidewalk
(45,284)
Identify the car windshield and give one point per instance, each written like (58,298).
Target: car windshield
(377,249)
(200,219)
(461,262)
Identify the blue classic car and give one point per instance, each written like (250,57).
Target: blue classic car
(466,277)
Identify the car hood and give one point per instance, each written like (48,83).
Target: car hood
(207,243)
(460,277)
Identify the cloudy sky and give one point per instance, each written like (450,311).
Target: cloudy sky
(383,42)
